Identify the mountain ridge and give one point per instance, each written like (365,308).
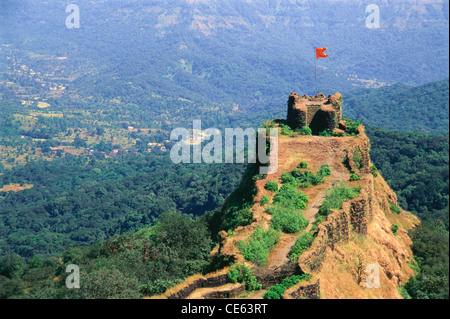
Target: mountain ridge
(363,228)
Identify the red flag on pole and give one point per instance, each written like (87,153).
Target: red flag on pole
(320,54)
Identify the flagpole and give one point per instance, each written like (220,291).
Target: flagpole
(315,69)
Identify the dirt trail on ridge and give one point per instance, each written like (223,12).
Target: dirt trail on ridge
(338,173)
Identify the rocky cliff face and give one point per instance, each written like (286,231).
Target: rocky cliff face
(354,243)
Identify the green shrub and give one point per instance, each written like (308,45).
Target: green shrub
(290,192)
(271,295)
(316,179)
(324,170)
(319,219)
(286,219)
(304,177)
(325,133)
(337,134)
(302,165)
(346,163)
(258,246)
(394,229)
(265,200)
(352,127)
(295,279)
(357,158)
(239,217)
(285,129)
(298,174)
(354,177)
(290,197)
(336,196)
(374,171)
(305,130)
(287,178)
(271,186)
(304,184)
(302,244)
(277,291)
(395,209)
(268,124)
(258,177)
(253,284)
(244,274)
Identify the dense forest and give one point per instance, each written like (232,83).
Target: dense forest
(81,201)
(127,266)
(422,108)
(147,251)
(416,166)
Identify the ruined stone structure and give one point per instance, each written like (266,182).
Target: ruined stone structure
(317,112)
(183,290)
(304,290)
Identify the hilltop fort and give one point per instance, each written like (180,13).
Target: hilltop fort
(313,228)
(317,112)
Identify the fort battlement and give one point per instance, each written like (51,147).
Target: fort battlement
(317,112)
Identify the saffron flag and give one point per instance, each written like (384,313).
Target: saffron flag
(320,54)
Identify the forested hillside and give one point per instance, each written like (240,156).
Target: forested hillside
(422,108)
(416,166)
(86,115)
(148,54)
(81,201)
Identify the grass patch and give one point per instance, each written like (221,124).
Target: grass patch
(258,246)
(395,209)
(334,199)
(302,244)
(265,200)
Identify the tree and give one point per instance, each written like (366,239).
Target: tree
(109,284)
(359,268)
(79,142)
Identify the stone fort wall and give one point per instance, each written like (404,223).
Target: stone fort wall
(317,112)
